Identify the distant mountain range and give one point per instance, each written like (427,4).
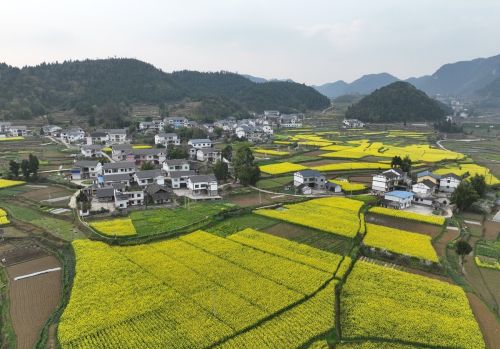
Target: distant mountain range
(259,80)
(466,78)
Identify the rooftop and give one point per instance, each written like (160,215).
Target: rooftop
(202,178)
(86,163)
(400,194)
(179,174)
(119,164)
(309,173)
(148,174)
(205,140)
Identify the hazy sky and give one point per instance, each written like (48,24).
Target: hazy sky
(311,41)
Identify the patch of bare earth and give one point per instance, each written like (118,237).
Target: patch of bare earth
(441,244)
(491,230)
(487,322)
(254,199)
(33,299)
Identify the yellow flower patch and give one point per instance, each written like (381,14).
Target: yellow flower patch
(5,183)
(282,167)
(115,227)
(400,242)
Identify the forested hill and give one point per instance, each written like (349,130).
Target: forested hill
(397,102)
(82,85)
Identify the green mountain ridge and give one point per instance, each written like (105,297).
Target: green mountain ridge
(31,91)
(397,102)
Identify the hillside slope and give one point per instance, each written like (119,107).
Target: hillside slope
(397,102)
(32,91)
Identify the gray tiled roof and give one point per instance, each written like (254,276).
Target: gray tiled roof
(202,178)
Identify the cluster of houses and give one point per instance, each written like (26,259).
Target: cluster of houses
(312,181)
(9,130)
(400,192)
(124,184)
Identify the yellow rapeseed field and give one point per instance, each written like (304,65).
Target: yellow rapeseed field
(471,169)
(6,139)
(380,302)
(334,215)
(3,217)
(436,220)
(282,167)
(141,146)
(115,227)
(5,183)
(197,290)
(417,152)
(348,186)
(269,151)
(346,166)
(400,241)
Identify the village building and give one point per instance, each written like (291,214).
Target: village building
(449,182)
(146,177)
(203,185)
(167,139)
(175,165)
(157,194)
(91,150)
(140,156)
(387,180)
(428,176)
(179,179)
(210,155)
(200,143)
(398,199)
(85,169)
(118,167)
(309,178)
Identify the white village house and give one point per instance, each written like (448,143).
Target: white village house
(398,199)
(387,180)
(449,182)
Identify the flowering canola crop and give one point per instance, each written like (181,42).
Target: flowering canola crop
(5,183)
(334,215)
(385,303)
(400,241)
(282,167)
(115,227)
(198,291)
(269,151)
(3,217)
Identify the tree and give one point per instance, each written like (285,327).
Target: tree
(406,164)
(83,201)
(463,248)
(227,152)
(148,165)
(245,169)
(177,152)
(396,161)
(478,182)
(25,168)
(34,164)
(464,196)
(218,132)
(169,128)
(14,168)
(221,171)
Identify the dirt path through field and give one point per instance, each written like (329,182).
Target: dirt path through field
(487,322)
(33,299)
(447,237)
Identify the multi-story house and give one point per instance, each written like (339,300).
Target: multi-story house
(175,165)
(167,139)
(210,155)
(119,152)
(146,177)
(387,180)
(449,182)
(179,179)
(176,121)
(118,167)
(18,131)
(200,143)
(86,169)
(155,155)
(91,150)
(203,185)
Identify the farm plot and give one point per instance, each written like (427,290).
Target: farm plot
(400,242)
(150,222)
(282,167)
(3,217)
(487,254)
(6,183)
(115,227)
(311,237)
(471,169)
(403,224)
(416,310)
(159,294)
(412,216)
(334,215)
(32,299)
